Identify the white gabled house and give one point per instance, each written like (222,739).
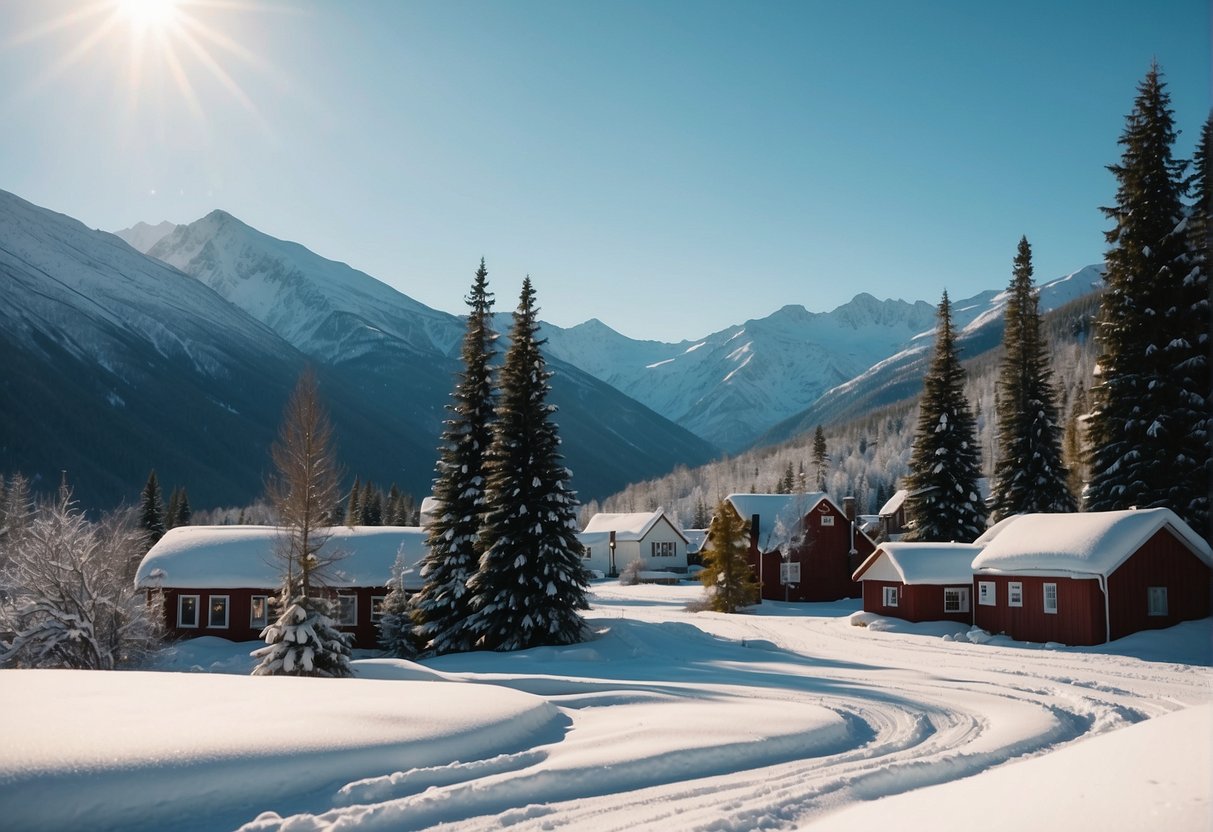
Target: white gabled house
(612,541)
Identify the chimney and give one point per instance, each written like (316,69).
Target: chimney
(754,531)
(848,508)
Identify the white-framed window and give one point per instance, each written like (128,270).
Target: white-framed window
(586,555)
(217,612)
(1015,594)
(1050,598)
(986,594)
(187,610)
(890,596)
(1156,599)
(377,608)
(347,610)
(259,611)
(827,519)
(789,573)
(663,548)
(955,599)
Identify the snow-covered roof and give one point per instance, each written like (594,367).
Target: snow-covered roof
(695,539)
(791,508)
(630,526)
(920,563)
(1096,542)
(893,503)
(429,509)
(202,557)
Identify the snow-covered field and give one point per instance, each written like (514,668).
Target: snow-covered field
(789,717)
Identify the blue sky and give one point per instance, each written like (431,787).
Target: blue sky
(668,167)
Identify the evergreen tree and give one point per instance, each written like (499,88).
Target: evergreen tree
(789,479)
(170,513)
(821,457)
(531,581)
(727,575)
(802,480)
(944,502)
(391,509)
(366,505)
(184,512)
(151,518)
(442,608)
(1149,427)
(702,516)
(1072,446)
(1029,475)
(304,640)
(397,635)
(353,509)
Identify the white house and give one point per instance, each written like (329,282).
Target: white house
(648,536)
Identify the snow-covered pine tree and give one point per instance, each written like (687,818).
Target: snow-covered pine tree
(353,508)
(944,503)
(1148,428)
(442,608)
(397,635)
(531,581)
(821,457)
(1029,475)
(727,575)
(304,641)
(151,517)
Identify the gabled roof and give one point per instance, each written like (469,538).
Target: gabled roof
(238,557)
(1094,543)
(790,508)
(895,502)
(920,563)
(632,526)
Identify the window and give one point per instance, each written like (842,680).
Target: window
(789,573)
(986,596)
(218,611)
(377,608)
(259,612)
(1015,594)
(663,549)
(827,519)
(956,599)
(890,596)
(1050,598)
(1157,600)
(587,553)
(347,610)
(187,610)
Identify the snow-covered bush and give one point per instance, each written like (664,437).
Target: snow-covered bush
(304,641)
(397,633)
(630,575)
(68,599)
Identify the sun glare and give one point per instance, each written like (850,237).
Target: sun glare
(150,14)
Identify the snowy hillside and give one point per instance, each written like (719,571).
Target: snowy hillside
(665,719)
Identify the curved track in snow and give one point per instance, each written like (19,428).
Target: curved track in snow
(718,722)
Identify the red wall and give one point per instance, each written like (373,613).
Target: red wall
(825,562)
(366,633)
(917,602)
(1079,618)
(1162,561)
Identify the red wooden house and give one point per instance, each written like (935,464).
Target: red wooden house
(223,580)
(803,547)
(1084,579)
(919,581)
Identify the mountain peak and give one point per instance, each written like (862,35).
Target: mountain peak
(142,236)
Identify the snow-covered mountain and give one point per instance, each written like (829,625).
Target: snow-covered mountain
(405,354)
(142,236)
(734,385)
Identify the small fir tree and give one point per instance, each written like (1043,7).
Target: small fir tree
(1148,431)
(1029,475)
(944,502)
(531,582)
(788,483)
(304,641)
(727,575)
(353,508)
(821,457)
(151,518)
(397,635)
(442,609)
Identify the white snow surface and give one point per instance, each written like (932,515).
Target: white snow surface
(665,719)
(200,557)
(1095,542)
(921,563)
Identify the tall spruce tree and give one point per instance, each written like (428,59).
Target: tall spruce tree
(531,581)
(151,515)
(821,457)
(727,575)
(442,608)
(1029,475)
(1149,427)
(944,503)
(1196,332)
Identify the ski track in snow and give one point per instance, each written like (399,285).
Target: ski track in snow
(838,714)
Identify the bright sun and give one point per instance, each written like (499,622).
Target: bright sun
(150,14)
